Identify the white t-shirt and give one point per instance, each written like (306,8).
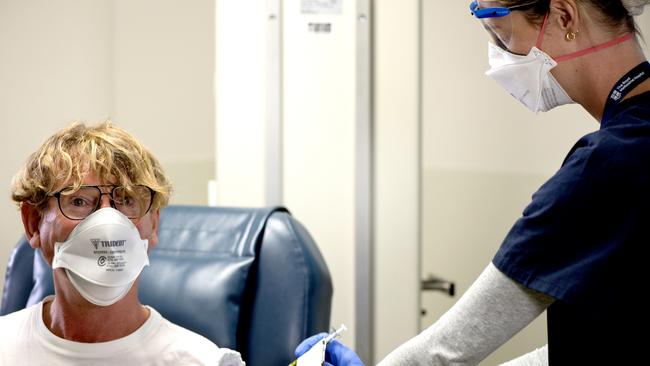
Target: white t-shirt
(25,340)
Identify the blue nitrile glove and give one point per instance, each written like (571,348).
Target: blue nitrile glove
(337,354)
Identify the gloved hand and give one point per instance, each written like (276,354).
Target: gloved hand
(336,353)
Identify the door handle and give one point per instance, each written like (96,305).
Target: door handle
(433,283)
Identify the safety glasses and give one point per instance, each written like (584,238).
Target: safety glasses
(488,9)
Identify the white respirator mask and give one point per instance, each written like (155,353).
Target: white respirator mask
(103,256)
(528,78)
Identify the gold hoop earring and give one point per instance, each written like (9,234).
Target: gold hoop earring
(570,36)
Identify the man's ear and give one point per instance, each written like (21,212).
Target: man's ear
(31,219)
(566,14)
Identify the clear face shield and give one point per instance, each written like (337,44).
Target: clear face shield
(495,18)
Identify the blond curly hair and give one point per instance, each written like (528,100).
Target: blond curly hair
(105,149)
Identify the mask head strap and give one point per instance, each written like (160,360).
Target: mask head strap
(596,48)
(602,46)
(540,36)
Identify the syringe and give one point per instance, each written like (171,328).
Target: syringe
(315,356)
(335,334)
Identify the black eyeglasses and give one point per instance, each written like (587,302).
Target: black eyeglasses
(134,202)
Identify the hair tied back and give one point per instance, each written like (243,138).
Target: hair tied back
(635,7)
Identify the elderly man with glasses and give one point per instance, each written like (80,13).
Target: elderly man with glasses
(90,200)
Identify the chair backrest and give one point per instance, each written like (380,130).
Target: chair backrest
(248,279)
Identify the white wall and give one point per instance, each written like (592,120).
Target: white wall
(146,64)
(55,67)
(163,62)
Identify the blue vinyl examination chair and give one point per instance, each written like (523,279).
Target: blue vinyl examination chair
(248,279)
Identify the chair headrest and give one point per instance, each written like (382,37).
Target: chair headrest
(203,259)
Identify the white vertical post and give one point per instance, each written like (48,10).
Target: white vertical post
(396,173)
(274,150)
(364,187)
(319,117)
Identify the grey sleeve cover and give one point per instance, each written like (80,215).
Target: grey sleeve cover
(491,311)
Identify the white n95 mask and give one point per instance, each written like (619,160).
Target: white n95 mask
(528,78)
(103,256)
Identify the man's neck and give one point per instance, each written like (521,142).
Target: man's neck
(71,317)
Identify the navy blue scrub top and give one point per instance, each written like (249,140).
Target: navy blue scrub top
(584,241)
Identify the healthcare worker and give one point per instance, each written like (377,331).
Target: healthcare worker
(580,249)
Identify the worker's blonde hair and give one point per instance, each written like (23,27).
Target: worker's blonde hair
(105,149)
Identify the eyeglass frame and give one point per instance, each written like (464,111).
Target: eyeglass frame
(99,201)
(495,12)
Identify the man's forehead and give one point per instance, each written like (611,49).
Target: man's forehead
(89,178)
